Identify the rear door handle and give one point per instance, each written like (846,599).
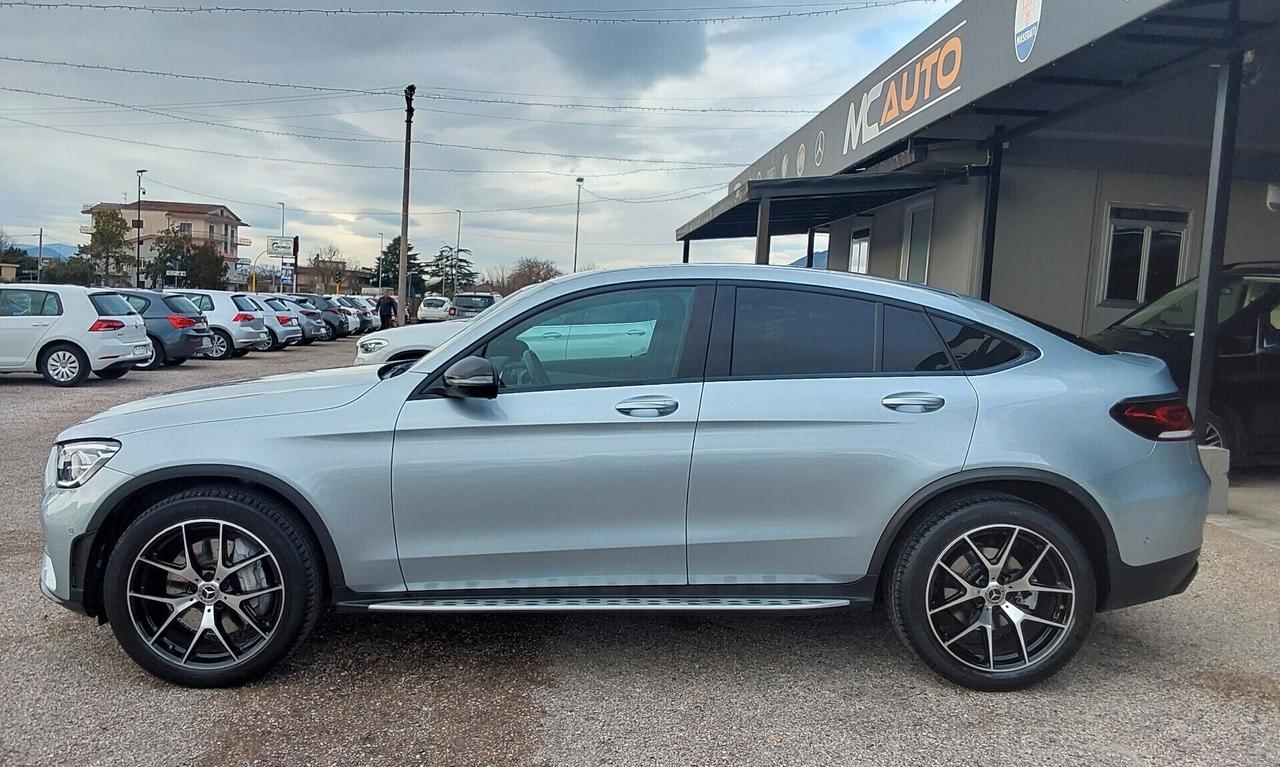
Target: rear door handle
(551,335)
(647,406)
(913,402)
(635,332)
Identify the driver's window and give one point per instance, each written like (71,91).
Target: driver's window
(609,339)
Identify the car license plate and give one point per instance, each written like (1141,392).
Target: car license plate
(262,336)
(140,350)
(204,343)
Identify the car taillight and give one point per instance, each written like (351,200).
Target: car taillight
(1164,420)
(347,311)
(284,319)
(99,326)
(242,317)
(182,323)
(310,313)
(453,311)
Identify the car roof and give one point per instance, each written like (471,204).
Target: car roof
(1255,267)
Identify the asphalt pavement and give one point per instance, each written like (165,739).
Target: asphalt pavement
(1194,679)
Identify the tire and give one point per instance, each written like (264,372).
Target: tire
(306,341)
(173,362)
(269,345)
(221,345)
(951,641)
(186,647)
(111,374)
(157,356)
(332,331)
(64,365)
(1220,432)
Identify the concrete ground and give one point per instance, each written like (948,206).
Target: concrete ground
(1194,679)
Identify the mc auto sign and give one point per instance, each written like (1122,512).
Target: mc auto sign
(965,55)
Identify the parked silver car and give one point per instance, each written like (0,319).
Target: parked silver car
(237,323)
(779,439)
(283,322)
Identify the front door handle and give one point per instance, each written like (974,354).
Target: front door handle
(913,402)
(647,406)
(551,335)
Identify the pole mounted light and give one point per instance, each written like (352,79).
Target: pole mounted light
(137,226)
(577,216)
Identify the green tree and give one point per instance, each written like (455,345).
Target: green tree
(106,250)
(205,267)
(453,269)
(172,249)
(76,270)
(15,255)
(389,266)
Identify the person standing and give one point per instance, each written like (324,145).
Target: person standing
(387,310)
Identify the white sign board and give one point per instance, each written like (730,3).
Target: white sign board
(175,273)
(279,247)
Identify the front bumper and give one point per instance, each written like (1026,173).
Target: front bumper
(66,515)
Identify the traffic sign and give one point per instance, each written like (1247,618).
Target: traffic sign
(279,247)
(175,273)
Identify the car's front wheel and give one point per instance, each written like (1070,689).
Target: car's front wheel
(993,592)
(212,586)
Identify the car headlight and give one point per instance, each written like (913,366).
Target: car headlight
(371,345)
(79,461)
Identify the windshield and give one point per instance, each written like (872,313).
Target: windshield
(111,305)
(473,302)
(1176,310)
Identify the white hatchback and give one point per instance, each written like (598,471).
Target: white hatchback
(64,332)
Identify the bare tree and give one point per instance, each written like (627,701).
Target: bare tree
(326,265)
(500,278)
(530,271)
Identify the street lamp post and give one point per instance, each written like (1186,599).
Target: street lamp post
(577,216)
(281,204)
(137,257)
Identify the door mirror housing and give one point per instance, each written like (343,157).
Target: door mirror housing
(474,377)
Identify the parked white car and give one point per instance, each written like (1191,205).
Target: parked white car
(434,309)
(237,323)
(64,332)
(406,343)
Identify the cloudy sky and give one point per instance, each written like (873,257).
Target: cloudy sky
(467,71)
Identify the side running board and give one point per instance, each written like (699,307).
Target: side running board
(584,604)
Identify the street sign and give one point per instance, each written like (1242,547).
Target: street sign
(175,273)
(279,247)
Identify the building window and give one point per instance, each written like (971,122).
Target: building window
(860,251)
(184,229)
(916,237)
(1144,253)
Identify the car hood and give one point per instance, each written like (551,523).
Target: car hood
(433,333)
(273,395)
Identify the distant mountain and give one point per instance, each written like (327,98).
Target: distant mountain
(51,250)
(819,260)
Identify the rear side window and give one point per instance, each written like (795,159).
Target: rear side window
(138,303)
(780,332)
(29,303)
(205,303)
(110,305)
(973,348)
(244,304)
(910,343)
(276,304)
(181,305)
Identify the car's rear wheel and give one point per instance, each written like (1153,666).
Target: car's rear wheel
(1218,432)
(157,357)
(220,345)
(212,586)
(64,365)
(111,374)
(330,332)
(173,362)
(992,592)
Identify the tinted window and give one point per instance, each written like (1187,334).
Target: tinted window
(138,303)
(244,304)
(473,302)
(791,332)
(910,343)
(276,304)
(204,302)
(973,348)
(433,303)
(111,305)
(181,305)
(29,303)
(581,343)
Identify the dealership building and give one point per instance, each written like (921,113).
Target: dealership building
(1065,159)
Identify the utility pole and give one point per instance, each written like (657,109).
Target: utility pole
(281,204)
(457,253)
(378,262)
(40,254)
(577,216)
(402,291)
(137,257)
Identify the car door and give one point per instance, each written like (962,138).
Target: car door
(813,432)
(569,477)
(25,318)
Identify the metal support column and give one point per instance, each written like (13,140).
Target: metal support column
(808,252)
(989,211)
(685,259)
(1221,167)
(762,232)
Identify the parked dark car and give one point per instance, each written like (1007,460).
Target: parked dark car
(330,312)
(313,327)
(1244,406)
(362,310)
(176,327)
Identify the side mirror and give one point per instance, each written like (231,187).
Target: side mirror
(472,377)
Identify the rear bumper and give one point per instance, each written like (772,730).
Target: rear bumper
(188,344)
(1132,585)
(114,353)
(245,337)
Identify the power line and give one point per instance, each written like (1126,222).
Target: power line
(387,92)
(330,164)
(606,17)
(367,139)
